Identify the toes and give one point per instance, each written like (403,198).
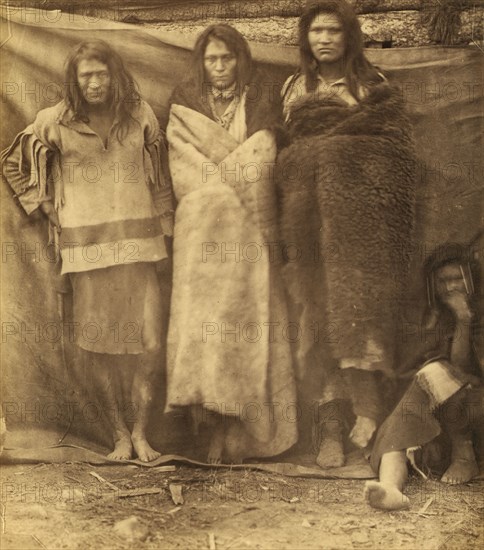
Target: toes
(118,456)
(368,489)
(122,451)
(385,498)
(450,480)
(373,492)
(371,487)
(460,471)
(149,456)
(144,450)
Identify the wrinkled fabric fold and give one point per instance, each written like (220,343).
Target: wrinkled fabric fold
(222,353)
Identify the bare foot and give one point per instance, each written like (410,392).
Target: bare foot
(143,449)
(217,445)
(331,453)
(461,470)
(362,431)
(463,466)
(123,449)
(385,497)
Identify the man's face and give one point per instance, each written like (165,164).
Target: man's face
(326,38)
(220,64)
(449,279)
(94,80)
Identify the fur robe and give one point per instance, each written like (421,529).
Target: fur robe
(347,186)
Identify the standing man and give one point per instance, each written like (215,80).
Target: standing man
(92,165)
(228,355)
(349,210)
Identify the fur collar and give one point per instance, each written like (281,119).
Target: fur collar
(380,111)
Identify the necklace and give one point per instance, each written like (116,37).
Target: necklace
(225,120)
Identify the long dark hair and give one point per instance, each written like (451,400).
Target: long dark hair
(235,43)
(124,95)
(358,70)
(446,254)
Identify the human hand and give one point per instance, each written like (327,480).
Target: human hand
(459,305)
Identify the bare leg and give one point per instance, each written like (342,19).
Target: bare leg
(363,387)
(463,465)
(107,386)
(144,384)
(148,369)
(363,431)
(331,450)
(229,442)
(386,494)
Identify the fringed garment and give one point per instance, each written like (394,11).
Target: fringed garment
(114,208)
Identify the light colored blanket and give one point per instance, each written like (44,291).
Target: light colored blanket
(228,342)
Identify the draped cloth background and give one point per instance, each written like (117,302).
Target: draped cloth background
(42,386)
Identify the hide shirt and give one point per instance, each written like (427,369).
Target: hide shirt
(112,201)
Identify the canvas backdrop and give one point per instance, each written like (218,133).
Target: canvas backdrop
(50,413)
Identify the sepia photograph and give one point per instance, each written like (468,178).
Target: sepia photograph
(242,274)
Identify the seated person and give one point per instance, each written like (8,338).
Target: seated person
(441,393)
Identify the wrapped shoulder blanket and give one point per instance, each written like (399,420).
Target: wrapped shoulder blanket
(226,347)
(347,185)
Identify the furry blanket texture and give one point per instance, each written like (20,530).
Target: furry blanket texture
(227,350)
(347,186)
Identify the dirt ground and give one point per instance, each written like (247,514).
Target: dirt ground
(65,506)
